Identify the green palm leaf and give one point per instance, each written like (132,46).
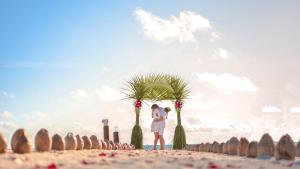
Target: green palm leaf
(177,88)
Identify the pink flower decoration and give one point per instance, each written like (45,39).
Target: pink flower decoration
(102,155)
(113,154)
(52,166)
(211,165)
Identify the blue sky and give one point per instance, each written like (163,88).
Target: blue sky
(58,59)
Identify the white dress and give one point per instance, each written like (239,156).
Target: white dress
(158,126)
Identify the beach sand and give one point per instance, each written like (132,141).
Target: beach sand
(105,159)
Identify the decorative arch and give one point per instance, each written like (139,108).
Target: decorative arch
(157,87)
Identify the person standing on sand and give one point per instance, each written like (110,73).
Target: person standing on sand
(158,125)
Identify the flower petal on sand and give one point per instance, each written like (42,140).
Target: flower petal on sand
(102,155)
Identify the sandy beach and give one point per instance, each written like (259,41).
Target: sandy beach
(105,159)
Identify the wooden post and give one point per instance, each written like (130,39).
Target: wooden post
(116,135)
(105,130)
(106,133)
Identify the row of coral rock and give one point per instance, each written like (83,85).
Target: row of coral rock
(20,142)
(264,149)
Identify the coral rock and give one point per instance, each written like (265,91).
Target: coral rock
(298,149)
(117,146)
(201,147)
(20,142)
(265,148)
(215,147)
(252,149)
(233,146)
(285,149)
(224,148)
(132,147)
(57,143)
(79,142)
(3,144)
(208,147)
(125,146)
(43,140)
(70,142)
(95,142)
(220,148)
(104,145)
(112,145)
(109,146)
(87,144)
(243,147)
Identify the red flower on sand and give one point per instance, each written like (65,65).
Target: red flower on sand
(212,165)
(52,166)
(102,155)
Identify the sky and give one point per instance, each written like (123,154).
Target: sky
(63,65)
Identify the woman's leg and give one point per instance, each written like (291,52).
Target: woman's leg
(162,142)
(156,137)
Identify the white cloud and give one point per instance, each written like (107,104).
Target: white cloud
(41,114)
(227,82)
(197,106)
(196,96)
(104,69)
(295,110)
(107,93)
(181,28)
(79,94)
(7,95)
(7,127)
(270,109)
(221,53)
(216,35)
(7,114)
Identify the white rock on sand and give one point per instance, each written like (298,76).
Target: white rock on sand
(201,147)
(109,147)
(3,144)
(95,142)
(58,143)
(243,146)
(87,144)
(105,159)
(215,147)
(233,146)
(20,142)
(42,140)
(79,142)
(104,145)
(252,149)
(70,142)
(285,149)
(265,148)
(225,148)
(112,145)
(220,149)
(207,147)
(298,149)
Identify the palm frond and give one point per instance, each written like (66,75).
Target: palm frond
(157,87)
(177,88)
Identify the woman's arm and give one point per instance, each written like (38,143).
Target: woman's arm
(161,118)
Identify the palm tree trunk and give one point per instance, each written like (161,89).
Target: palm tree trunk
(137,133)
(178,117)
(137,116)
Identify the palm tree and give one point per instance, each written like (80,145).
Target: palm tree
(178,91)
